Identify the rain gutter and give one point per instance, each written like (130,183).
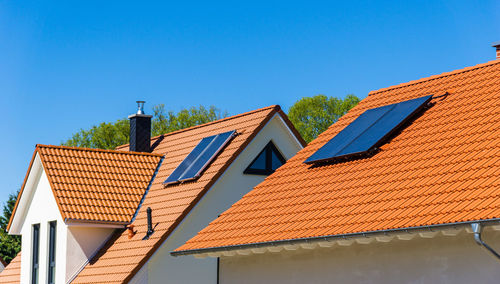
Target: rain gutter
(476,228)
(409,230)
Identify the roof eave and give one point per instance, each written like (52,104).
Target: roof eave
(331,238)
(95,223)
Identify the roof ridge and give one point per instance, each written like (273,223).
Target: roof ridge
(97,150)
(276,107)
(434,77)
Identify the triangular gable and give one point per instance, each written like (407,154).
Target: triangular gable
(123,257)
(25,195)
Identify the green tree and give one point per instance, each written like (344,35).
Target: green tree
(168,121)
(9,245)
(108,135)
(313,115)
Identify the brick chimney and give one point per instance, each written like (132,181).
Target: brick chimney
(496,45)
(140,130)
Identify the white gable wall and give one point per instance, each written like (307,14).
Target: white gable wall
(42,209)
(164,268)
(443,259)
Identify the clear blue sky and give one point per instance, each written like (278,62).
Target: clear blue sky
(67,65)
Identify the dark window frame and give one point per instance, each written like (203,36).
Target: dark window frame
(35,253)
(268,149)
(51,261)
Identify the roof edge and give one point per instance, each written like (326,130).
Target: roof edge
(95,223)
(277,107)
(112,151)
(292,128)
(14,210)
(153,177)
(434,77)
(329,237)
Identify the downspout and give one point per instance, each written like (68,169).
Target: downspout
(476,228)
(218,269)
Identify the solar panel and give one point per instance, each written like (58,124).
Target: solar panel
(199,158)
(369,130)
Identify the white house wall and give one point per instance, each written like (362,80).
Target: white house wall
(164,268)
(42,210)
(443,259)
(82,244)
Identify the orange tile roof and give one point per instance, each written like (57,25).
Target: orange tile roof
(443,168)
(12,272)
(123,257)
(96,185)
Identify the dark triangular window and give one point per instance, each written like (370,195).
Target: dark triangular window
(268,160)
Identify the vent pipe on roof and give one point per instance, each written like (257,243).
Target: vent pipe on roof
(496,45)
(476,228)
(140,130)
(151,230)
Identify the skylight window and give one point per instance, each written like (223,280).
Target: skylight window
(268,161)
(201,156)
(369,130)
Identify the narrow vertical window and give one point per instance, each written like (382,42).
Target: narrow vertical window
(35,238)
(52,253)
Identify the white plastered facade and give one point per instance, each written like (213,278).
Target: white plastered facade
(229,188)
(432,257)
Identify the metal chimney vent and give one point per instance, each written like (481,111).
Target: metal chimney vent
(140,107)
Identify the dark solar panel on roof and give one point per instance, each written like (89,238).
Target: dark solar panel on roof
(368,130)
(194,164)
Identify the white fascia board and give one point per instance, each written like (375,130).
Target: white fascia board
(294,138)
(94,224)
(35,172)
(451,229)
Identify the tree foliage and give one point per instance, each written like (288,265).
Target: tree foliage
(106,135)
(168,121)
(109,135)
(9,245)
(313,115)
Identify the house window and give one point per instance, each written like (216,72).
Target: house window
(52,253)
(268,160)
(35,238)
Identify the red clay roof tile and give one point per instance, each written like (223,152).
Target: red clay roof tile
(443,168)
(12,272)
(92,185)
(123,257)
